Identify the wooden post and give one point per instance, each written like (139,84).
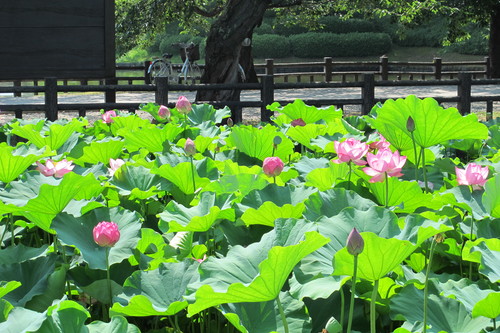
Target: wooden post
(464,93)
(17,83)
(368,93)
(487,67)
(267,97)
(328,69)
(110,95)
(161,92)
(147,79)
(51,98)
(438,68)
(384,68)
(269,67)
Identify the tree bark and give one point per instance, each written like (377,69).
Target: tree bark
(224,52)
(494,42)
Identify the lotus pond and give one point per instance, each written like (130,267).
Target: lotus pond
(316,222)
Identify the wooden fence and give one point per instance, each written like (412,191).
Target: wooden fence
(267,89)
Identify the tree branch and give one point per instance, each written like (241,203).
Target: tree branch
(214,12)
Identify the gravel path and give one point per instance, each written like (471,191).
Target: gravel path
(253,113)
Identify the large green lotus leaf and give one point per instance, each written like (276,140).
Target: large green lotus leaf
(151,138)
(481,302)
(310,114)
(258,142)
(304,134)
(55,289)
(139,181)
(19,253)
(307,164)
(379,257)
(255,273)
(77,231)
(462,197)
(326,178)
(268,212)
(491,196)
(444,314)
(129,123)
(433,124)
(330,202)
(151,246)
(7,287)
(14,162)
(200,218)
(320,287)
(22,320)
(5,308)
(157,292)
(265,317)
(52,135)
(405,196)
(33,274)
(239,184)
(181,176)
(52,200)
(490,256)
(64,317)
(118,324)
(201,113)
(279,195)
(101,151)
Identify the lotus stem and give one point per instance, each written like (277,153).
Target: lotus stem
(282,314)
(426,283)
(108,279)
(373,310)
(192,173)
(353,292)
(13,236)
(424,171)
(342,305)
(349,175)
(416,156)
(470,239)
(386,190)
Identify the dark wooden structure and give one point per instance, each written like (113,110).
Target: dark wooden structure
(57,38)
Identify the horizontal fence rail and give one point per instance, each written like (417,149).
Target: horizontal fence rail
(268,91)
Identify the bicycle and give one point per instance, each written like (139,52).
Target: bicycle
(190,52)
(162,68)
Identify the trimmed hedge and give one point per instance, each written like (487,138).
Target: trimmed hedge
(270,46)
(339,26)
(320,44)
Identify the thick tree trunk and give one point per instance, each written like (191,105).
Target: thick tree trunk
(224,52)
(494,43)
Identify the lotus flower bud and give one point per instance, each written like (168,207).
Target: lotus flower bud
(230,122)
(277,140)
(163,112)
(106,234)
(107,117)
(355,243)
(189,147)
(298,122)
(183,105)
(410,124)
(272,166)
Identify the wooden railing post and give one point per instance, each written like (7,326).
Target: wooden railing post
(147,79)
(368,93)
(267,97)
(269,67)
(17,83)
(487,67)
(464,93)
(51,98)
(438,68)
(328,69)
(161,92)
(384,67)
(110,95)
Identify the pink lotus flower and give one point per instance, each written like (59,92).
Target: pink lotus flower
(106,234)
(114,165)
(107,116)
(298,122)
(473,174)
(384,162)
(272,166)
(56,169)
(350,150)
(189,147)
(183,105)
(381,144)
(163,112)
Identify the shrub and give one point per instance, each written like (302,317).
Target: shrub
(477,44)
(270,46)
(265,28)
(431,34)
(337,25)
(321,44)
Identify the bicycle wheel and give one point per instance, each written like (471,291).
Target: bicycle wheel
(195,72)
(159,69)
